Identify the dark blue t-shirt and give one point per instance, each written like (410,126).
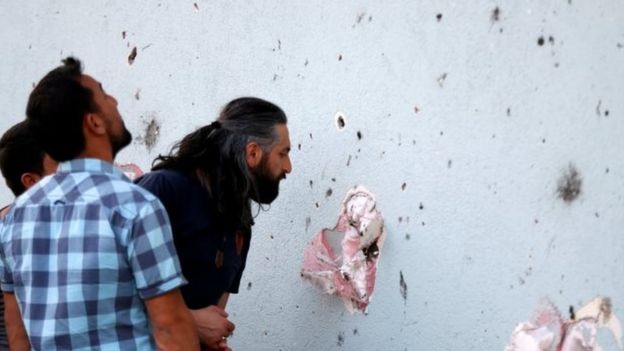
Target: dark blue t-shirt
(212,254)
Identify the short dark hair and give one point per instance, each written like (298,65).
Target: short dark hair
(19,153)
(56,108)
(215,154)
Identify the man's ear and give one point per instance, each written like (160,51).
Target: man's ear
(29,179)
(94,124)
(253,154)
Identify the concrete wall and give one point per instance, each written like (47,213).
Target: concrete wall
(475,109)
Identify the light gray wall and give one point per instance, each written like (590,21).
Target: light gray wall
(484,154)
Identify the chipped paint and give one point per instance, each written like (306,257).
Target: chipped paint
(343,260)
(548,331)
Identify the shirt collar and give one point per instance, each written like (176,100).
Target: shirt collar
(91,165)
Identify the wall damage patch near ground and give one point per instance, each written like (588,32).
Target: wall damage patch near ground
(549,331)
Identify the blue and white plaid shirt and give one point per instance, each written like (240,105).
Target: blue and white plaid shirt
(81,250)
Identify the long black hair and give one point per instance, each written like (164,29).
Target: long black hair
(215,154)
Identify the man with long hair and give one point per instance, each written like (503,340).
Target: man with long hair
(88,255)
(207,184)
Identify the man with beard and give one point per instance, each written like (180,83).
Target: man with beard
(206,184)
(88,255)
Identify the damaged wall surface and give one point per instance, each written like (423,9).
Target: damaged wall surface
(490,133)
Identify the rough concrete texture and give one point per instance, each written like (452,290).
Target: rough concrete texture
(465,119)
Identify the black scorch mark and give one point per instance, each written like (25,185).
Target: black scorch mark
(132,55)
(569,185)
(403,286)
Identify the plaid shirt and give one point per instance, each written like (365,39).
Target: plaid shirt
(81,250)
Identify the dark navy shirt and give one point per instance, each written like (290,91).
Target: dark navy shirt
(212,254)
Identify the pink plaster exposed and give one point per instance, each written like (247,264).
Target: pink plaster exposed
(343,260)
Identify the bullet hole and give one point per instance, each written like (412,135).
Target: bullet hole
(416,109)
(299,146)
(403,186)
(341,339)
(441,133)
(249,286)
(355,331)
(407,236)
(449,164)
(508,111)
(340,121)
(551,40)
(606,113)
(132,55)
(422,223)
(572,315)
(151,134)
(495,17)
(359,135)
(123,35)
(196,6)
(333,180)
(317,205)
(271,236)
(540,41)
(439,17)
(340,57)
(403,287)
(329,192)
(137,95)
(311,184)
(569,185)
(308,221)
(441,80)
(421,206)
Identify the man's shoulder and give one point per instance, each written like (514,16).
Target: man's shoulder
(163,176)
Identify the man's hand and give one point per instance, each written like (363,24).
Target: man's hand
(213,327)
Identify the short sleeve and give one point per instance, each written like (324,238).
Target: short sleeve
(151,253)
(6,277)
(159,185)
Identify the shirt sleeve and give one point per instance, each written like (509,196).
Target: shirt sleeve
(6,277)
(151,252)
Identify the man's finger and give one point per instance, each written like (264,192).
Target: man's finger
(219,310)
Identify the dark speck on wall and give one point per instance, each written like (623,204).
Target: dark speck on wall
(551,40)
(439,17)
(403,286)
(152,132)
(123,35)
(249,286)
(355,331)
(132,55)
(329,192)
(540,41)
(569,185)
(311,183)
(403,186)
(340,57)
(495,14)
(359,135)
(421,206)
(341,339)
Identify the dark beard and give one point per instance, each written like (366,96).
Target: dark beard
(121,141)
(265,188)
